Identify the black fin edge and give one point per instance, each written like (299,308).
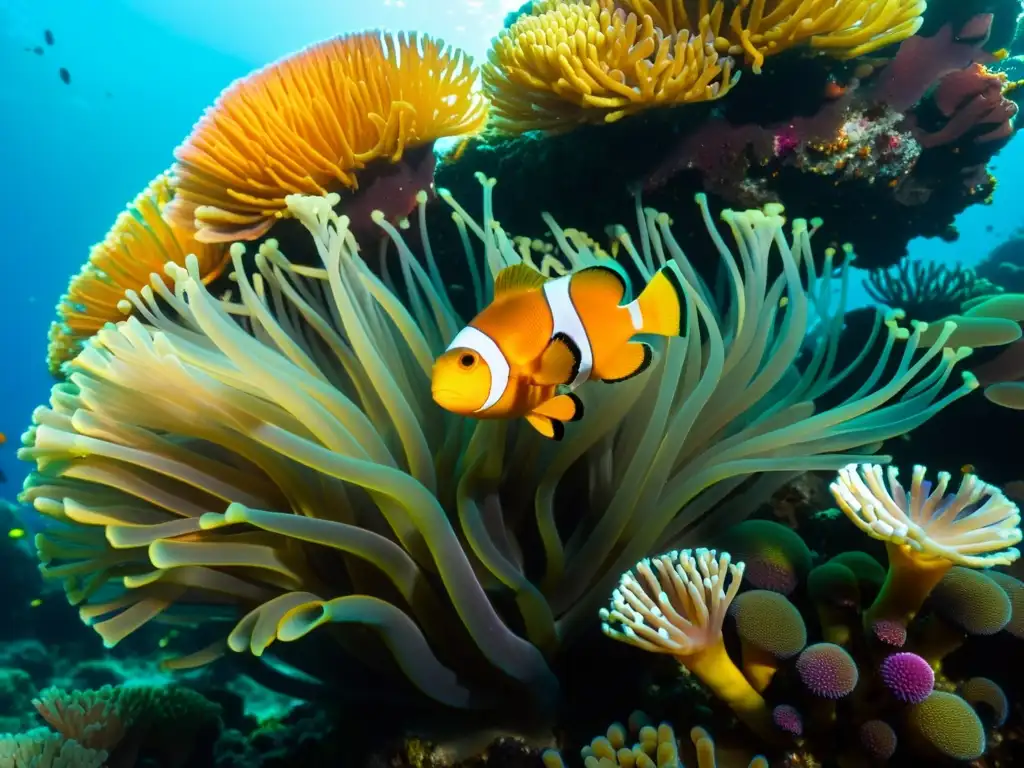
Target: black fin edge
(574,350)
(627,289)
(644,365)
(579,406)
(558,430)
(671,272)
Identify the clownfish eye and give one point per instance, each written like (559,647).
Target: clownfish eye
(467,360)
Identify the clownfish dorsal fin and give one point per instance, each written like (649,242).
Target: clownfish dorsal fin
(559,362)
(516,278)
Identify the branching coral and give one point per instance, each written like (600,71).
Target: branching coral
(139,244)
(926,291)
(590,61)
(926,531)
(309,123)
(279,453)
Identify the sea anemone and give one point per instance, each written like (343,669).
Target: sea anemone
(827,670)
(140,243)
(654,747)
(843,28)
(273,459)
(41,748)
(926,532)
(771,630)
(949,725)
(578,62)
(309,123)
(676,604)
(908,677)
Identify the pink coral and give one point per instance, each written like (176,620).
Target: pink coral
(971,98)
(923,61)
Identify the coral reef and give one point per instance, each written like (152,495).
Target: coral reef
(927,292)
(857,700)
(204,455)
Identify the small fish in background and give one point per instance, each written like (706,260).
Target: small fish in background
(542,334)
(48,36)
(38,50)
(65,76)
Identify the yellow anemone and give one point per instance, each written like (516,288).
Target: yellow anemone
(926,532)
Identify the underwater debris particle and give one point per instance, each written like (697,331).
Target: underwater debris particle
(48,36)
(65,76)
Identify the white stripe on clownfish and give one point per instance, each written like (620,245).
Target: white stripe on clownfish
(566,321)
(478,341)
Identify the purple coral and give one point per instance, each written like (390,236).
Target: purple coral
(908,677)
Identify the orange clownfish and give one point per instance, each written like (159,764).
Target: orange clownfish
(542,333)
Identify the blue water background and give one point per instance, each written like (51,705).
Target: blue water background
(71,156)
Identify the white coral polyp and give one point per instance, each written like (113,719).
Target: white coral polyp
(975,527)
(675,603)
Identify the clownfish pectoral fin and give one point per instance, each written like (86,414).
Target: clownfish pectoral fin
(633,359)
(559,363)
(563,408)
(607,284)
(551,429)
(659,307)
(518,277)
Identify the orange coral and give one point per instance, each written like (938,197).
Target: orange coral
(760,28)
(307,123)
(574,63)
(140,243)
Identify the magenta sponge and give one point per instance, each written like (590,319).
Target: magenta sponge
(787,718)
(908,677)
(827,670)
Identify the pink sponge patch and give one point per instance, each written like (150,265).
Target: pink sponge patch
(890,632)
(771,573)
(827,670)
(908,677)
(786,718)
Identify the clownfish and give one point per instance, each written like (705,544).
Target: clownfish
(540,334)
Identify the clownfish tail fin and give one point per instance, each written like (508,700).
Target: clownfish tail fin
(658,310)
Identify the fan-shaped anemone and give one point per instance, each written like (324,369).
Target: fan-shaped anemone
(311,122)
(275,459)
(139,243)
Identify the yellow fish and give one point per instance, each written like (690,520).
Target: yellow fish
(542,333)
